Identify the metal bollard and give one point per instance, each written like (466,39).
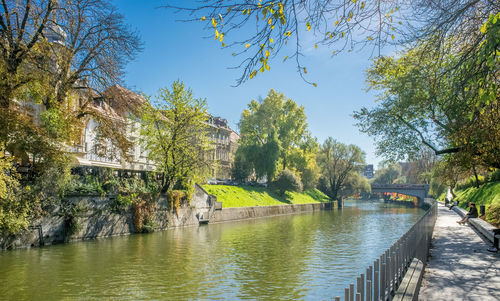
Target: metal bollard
(368,290)
(362,289)
(482,210)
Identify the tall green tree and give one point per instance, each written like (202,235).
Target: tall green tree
(304,162)
(388,175)
(176,135)
(271,134)
(426,101)
(419,171)
(53,47)
(356,184)
(56,57)
(14,211)
(338,162)
(22,24)
(447,173)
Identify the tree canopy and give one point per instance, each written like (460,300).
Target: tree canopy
(51,47)
(259,30)
(272,133)
(338,162)
(56,58)
(176,136)
(387,175)
(426,100)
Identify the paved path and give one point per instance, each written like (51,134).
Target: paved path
(459,267)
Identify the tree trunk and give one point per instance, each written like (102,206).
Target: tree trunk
(476,183)
(165,185)
(452,188)
(340,203)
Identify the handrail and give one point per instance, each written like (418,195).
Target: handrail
(382,279)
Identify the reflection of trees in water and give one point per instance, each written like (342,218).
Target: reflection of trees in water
(272,256)
(287,257)
(186,263)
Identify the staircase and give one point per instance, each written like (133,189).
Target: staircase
(205,216)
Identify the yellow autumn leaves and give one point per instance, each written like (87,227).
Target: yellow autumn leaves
(273,27)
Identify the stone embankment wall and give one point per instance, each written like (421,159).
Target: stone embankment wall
(97,220)
(232,214)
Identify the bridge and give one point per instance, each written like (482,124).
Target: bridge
(420,191)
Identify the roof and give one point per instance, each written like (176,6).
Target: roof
(122,100)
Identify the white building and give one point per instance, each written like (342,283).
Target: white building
(86,151)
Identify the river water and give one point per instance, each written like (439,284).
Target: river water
(310,256)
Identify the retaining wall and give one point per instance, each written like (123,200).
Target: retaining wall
(97,220)
(242,213)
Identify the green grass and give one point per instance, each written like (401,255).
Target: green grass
(486,194)
(246,196)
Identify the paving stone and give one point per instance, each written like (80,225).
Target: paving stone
(459,266)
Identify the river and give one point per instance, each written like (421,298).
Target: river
(311,256)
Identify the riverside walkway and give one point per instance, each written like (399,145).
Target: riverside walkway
(459,266)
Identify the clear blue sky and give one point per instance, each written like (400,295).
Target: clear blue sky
(179,50)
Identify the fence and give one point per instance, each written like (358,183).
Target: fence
(382,279)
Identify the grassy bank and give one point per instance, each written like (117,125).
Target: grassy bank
(245,196)
(487,194)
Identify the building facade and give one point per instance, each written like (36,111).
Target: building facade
(368,171)
(224,139)
(86,151)
(225,142)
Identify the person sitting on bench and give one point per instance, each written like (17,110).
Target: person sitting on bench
(471,214)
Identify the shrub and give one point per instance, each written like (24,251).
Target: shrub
(286,181)
(122,202)
(175,197)
(88,185)
(310,178)
(111,185)
(71,213)
(494,176)
(14,208)
(143,210)
(14,215)
(493,214)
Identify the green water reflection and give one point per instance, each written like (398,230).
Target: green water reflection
(306,256)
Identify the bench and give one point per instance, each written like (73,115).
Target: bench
(482,226)
(410,285)
(459,211)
